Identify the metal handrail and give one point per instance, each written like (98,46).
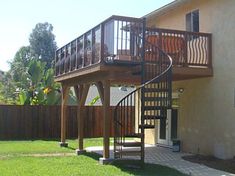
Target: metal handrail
(122,121)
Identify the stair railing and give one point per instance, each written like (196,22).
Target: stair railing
(130,111)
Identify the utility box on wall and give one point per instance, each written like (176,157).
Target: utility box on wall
(176,145)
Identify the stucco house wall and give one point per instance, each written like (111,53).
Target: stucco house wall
(206,123)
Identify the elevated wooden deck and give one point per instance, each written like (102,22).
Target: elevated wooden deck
(116,74)
(113,50)
(125,74)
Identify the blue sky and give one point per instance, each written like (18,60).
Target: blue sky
(70,19)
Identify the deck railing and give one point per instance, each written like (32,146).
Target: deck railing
(111,40)
(117,39)
(187,49)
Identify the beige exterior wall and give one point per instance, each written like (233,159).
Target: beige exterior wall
(207,112)
(150,136)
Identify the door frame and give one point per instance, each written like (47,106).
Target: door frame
(168,141)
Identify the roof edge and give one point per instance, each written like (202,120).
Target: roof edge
(165,8)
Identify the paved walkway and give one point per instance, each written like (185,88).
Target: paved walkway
(165,157)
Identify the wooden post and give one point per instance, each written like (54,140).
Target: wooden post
(65,90)
(104,91)
(106,119)
(81,93)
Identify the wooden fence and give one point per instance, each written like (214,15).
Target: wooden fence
(43,122)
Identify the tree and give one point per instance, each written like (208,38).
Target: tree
(7,90)
(2,99)
(23,55)
(30,79)
(42,43)
(19,66)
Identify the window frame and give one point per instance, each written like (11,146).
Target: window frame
(193,21)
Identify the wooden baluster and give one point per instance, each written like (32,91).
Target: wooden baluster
(102,47)
(92,47)
(209,43)
(76,55)
(83,48)
(185,54)
(70,57)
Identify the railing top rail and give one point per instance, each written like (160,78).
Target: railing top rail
(123,18)
(177,31)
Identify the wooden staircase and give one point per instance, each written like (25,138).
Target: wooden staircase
(145,105)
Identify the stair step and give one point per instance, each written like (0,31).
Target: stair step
(149,90)
(156,81)
(128,152)
(146,126)
(130,144)
(154,98)
(149,108)
(152,117)
(135,135)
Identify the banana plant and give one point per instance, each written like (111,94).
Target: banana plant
(42,90)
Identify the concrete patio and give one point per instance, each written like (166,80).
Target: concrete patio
(165,157)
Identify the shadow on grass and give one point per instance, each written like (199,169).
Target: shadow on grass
(135,167)
(70,148)
(92,155)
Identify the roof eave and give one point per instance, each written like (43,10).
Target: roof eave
(164,9)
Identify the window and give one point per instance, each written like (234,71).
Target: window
(192,21)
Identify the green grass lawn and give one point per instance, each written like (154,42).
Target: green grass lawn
(43,146)
(14,161)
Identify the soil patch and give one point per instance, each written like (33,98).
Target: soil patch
(213,162)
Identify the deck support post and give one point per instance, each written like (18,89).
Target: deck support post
(81,93)
(106,119)
(65,91)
